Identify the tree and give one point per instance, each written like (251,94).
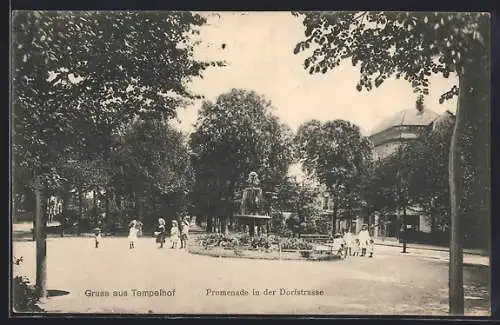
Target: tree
(100,73)
(300,199)
(428,182)
(413,46)
(234,136)
(80,77)
(153,171)
(338,155)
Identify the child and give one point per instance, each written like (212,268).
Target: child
(355,248)
(339,244)
(348,241)
(371,247)
(97,237)
(139,228)
(161,232)
(132,234)
(364,238)
(174,234)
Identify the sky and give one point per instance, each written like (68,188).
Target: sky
(259,55)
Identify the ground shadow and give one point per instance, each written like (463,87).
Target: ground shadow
(56,293)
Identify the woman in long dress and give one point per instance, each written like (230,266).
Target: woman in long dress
(184,232)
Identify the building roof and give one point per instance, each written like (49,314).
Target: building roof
(444,119)
(408,117)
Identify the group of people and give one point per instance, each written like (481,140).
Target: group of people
(177,233)
(360,245)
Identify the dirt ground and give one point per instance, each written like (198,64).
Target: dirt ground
(390,283)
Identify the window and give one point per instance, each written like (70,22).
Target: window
(325,203)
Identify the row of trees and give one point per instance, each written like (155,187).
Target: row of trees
(414,46)
(91,93)
(83,81)
(91,96)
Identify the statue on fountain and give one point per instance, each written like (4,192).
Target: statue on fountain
(252,196)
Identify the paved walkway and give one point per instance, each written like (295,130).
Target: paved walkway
(390,283)
(472,257)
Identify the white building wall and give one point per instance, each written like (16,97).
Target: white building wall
(424,225)
(377,227)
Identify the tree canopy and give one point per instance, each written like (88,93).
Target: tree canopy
(338,155)
(235,135)
(414,45)
(411,45)
(80,77)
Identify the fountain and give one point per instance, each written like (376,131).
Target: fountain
(252,217)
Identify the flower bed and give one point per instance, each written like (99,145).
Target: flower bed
(265,247)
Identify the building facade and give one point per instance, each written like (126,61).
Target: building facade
(401,128)
(352,220)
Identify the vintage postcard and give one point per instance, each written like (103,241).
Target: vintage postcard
(265,163)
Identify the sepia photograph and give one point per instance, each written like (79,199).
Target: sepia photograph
(250,163)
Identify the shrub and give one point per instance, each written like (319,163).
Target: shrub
(295,244)
(24,295)
(260,242)
(245,239)
(219,240)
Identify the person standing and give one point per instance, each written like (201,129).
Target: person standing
(139,228)
(174,233)
(132,234)
(97,237)
(348,241)
(160,232)
(364,239)
(184,232)
(355,247)
(371,247)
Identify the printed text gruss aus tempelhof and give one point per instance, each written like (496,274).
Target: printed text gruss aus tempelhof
(149,293)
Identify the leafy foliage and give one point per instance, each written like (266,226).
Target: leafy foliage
(298,198)
(24,295)
(152,170)
(417,175)
(411,45)
(80,78)
(338,155)
(234,136)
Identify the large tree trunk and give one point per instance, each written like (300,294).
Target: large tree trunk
(106,203)
(209,224)
(137,205)
(66,198)
(473,105)
(334,217)
(41,243)
(80,205)
(456,289)
(94,195)
(405,229)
